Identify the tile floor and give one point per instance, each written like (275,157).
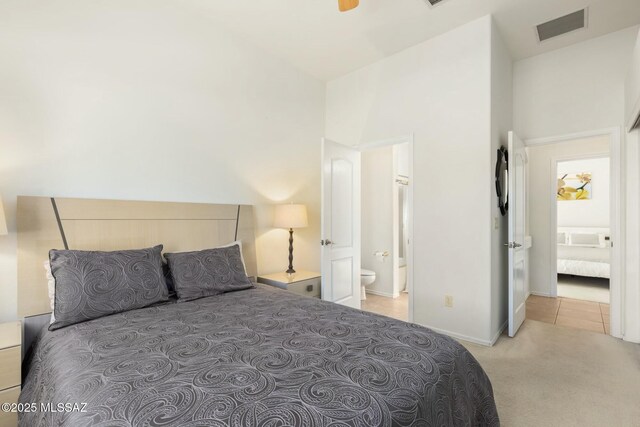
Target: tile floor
(398,308)
(573,313)
(567,312)
(583,288)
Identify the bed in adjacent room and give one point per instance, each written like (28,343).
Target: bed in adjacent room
(584,252)
(249,356)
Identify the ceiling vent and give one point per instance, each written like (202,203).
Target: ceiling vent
(434,2)
(563,25)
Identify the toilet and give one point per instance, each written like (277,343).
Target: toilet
(367,277)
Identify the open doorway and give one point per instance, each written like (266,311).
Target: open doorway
(386,227)
(575,220)
(584,229)
(583,224)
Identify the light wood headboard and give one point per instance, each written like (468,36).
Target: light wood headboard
(46,223)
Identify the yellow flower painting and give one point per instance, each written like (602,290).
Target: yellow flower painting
(574,187)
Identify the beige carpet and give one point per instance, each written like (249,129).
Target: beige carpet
(550,375)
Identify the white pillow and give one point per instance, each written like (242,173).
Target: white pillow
(585,239)
(51,285)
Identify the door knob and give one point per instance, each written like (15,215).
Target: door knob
(513,245)
(326,242)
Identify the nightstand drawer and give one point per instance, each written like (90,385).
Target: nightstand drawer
(10,367)
(309,288)
(9,419)
(10,334)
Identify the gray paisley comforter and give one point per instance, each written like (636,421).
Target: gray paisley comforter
(258,357)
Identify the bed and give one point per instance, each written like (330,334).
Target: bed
(584,252)
(255,357)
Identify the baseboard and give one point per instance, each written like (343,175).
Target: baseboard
(541,294)
(382,294)
(461,337)
(500,331)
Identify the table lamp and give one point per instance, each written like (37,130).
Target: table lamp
(290,216)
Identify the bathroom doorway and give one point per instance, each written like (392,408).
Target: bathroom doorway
(386,206)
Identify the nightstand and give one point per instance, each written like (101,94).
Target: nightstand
(305,283)
(10,375)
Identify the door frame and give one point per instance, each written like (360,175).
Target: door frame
(404,139)
(617,215)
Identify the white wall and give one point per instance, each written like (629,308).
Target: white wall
(574,89)
(542,201)
(501,124)
(594,212)
(632,249)
(632,86)
(403,159)
(632,157)
(440,90)
(107,101)
(377,217)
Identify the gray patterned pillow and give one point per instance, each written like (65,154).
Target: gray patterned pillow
(208,272)
(92,284)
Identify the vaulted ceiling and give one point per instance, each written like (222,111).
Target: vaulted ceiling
(315,37)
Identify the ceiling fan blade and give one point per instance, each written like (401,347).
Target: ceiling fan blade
(345,5)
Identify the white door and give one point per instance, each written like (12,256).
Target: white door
(517,248)
(340,224)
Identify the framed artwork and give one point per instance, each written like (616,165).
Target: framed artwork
(574,186)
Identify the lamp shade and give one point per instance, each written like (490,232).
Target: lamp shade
(3,221)
(290,216)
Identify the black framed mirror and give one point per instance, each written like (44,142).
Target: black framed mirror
(502,180)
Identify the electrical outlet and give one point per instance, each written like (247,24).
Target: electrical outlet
(448,301)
